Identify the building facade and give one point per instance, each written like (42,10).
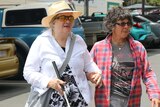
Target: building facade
(94,5)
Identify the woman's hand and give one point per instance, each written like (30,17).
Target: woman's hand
(95,77)
(155,102)
(56,84)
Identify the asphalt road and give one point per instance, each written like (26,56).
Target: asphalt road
(15,93)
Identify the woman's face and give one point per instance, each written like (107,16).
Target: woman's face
(122,28)
(63,23)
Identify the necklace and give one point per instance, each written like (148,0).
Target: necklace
(118,48)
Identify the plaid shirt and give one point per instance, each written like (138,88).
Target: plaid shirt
(102,55)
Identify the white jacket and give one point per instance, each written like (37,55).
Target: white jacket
(38,69)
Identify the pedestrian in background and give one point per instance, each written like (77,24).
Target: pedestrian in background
(53,45)
(123,62)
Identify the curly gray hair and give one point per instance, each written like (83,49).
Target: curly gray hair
(115,14)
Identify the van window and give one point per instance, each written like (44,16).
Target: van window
(77,23)
(25,17)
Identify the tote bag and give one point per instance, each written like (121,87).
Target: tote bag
(34,100)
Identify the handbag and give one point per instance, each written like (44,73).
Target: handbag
(34,100)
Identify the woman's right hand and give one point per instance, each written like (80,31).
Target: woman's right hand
(56,84)
(95,77)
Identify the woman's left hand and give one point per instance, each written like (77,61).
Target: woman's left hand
(155,102)
(95,77)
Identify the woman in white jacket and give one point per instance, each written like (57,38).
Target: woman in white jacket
(53,45)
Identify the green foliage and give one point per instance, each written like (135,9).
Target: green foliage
(149,2)
(153,2)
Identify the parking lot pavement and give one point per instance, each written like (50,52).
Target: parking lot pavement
(13,93)
(20,100)
(17,101)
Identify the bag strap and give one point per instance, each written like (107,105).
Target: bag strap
(73,38)
(69,53)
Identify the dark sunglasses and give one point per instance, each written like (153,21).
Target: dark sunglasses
(65,18)
(124,24)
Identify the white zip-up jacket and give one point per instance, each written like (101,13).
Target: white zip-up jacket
(38,69)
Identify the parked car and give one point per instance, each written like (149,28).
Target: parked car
(142,32)
(8,60)
(155,27)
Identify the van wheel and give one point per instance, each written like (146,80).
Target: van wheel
(22,59)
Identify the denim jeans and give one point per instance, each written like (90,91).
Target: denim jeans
(118,101)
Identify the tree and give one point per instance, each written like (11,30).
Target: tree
(153,2)
(149,2)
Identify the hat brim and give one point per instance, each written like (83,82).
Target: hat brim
(46,20)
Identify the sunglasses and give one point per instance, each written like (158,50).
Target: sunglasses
(64,18)
(124,24)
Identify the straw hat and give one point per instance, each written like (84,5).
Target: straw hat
(58,8)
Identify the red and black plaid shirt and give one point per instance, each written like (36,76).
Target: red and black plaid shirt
(102,55)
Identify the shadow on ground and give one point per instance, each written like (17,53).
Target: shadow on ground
(152,52)
(11,89)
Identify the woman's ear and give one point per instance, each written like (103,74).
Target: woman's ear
(52,24)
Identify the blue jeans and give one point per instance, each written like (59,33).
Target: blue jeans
(118,101)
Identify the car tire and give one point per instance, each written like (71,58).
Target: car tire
(21,59)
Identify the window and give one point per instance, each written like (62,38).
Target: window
(136,19)
(140,19)
(25,17)
(77,23)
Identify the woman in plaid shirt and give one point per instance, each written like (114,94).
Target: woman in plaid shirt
(123,62)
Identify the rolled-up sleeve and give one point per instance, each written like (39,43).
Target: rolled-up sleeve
(149,78)
(90,65)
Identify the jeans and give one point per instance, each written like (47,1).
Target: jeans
(118,101)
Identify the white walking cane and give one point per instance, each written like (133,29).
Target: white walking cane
(63,88)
